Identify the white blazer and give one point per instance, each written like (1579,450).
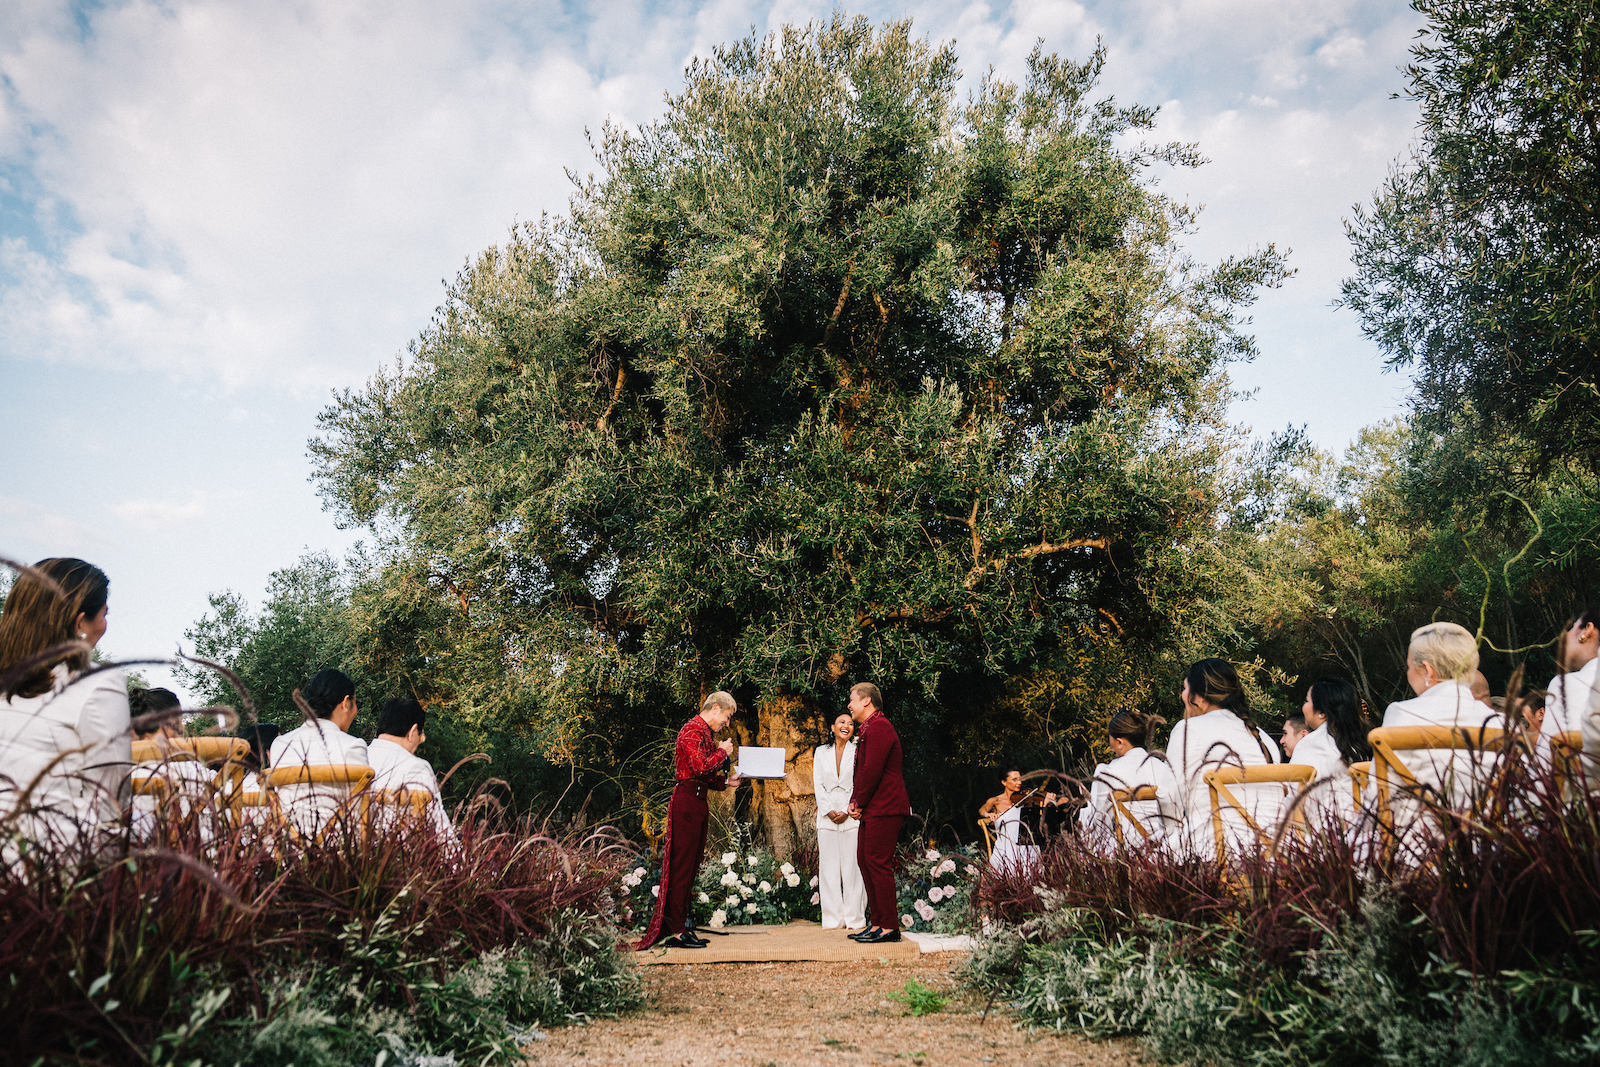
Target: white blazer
(833,788)
(1451,703)
(1130,771)
(1219,738)
(395,768)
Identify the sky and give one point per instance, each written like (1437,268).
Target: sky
(214,214)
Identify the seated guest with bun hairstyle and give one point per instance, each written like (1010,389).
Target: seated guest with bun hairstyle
(1134,766)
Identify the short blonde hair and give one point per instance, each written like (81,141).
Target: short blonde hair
(720,699)
(1449,649)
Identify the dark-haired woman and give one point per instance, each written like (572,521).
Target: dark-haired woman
(840,890)
(1337,739)
(1216,731)
(63,731)
(1134,766)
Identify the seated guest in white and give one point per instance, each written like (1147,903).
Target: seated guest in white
(840,890)
(1217,731)
(155,713)
(319,742)
(396,765)
(1294,728)
(1439,666)
(1133,767)
(1337,738)
(65,745)
(1572,689)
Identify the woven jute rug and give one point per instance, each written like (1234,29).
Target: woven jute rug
(796,942)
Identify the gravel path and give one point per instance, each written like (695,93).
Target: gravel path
(804,1013)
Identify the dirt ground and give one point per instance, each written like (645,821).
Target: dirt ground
(804,1013)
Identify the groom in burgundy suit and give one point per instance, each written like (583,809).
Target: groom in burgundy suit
(881,803)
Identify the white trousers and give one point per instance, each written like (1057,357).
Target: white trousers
(844,895)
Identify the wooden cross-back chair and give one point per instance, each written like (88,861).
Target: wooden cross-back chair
(1120,799)
(1360,779)
(1566,749)
(353,778)
(226,753)
(1390,770)
(1220,781)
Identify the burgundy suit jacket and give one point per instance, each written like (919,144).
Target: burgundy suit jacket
(880,788)
(696,757)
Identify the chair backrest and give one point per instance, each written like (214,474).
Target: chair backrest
(178,749)
(1566,749)
(354,776)
(1389,741)
(1120,799)
(1220,780)
(1360,775)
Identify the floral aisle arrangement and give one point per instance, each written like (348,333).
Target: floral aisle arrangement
(935,888)
(744,886)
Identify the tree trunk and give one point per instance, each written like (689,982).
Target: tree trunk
(784,810)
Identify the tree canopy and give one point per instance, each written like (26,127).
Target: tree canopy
(1478,263)
(826,376)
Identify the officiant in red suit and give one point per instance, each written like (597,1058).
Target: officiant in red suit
(880,801)
(700,763)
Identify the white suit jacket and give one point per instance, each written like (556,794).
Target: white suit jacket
(1446,704)
(1569,698)
(395,768)
(314,744)
(75,741)
(833,788)
(1131,770)
(1206,742)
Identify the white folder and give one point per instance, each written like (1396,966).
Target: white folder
(756,762)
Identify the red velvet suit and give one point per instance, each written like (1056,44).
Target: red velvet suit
(698,766)
(880,794)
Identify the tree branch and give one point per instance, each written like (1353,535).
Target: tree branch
(1043,548)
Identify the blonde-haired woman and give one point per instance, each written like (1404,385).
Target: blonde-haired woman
(840,888)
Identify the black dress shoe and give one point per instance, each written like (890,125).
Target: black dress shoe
(691,939)
(679,942)
(865,935)
(882,937)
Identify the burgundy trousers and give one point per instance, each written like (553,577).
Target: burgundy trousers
(875,843)
(685,847)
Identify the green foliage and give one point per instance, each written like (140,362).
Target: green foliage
(918,998)
(1477,261)
(827,375)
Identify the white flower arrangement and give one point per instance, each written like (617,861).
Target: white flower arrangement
(765,887)
(751,908)
(791,880)
(786,870)
(730,858)
(746,892)
(719,918)
(729,878)
(733,900)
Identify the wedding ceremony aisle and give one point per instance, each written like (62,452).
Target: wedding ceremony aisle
(811,1001)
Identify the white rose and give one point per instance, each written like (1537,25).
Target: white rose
(751,908)
(750,878)
(719,918)
(705,898)
(729,878)
(787,868)
(729,858)
(972,872)
(813,881)
(924,909)
(816,898)
(639,873)
(733,900)
(933,854)
(791,880)
(947,867)
(752,859)
(936,894)
(746,892)
(908,921)
(655,890)
(765,887)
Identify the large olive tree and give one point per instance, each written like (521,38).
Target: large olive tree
(828,375)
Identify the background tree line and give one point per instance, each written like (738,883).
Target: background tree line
(828,375)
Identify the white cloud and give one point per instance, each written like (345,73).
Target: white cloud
(160,513)
(29,528)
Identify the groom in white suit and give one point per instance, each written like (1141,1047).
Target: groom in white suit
(839,885)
